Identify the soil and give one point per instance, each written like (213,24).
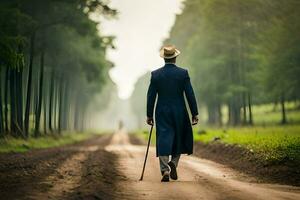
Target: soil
(109,167)
(285,172)
(80,171)
(135,140)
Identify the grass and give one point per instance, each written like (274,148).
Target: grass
(10,144)
(275,143)
(144,135)
(265,114)
(267,138)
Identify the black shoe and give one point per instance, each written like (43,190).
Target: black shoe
(165,176)
(173,173)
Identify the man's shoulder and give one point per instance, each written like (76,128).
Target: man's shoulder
(181,69)
(156,71)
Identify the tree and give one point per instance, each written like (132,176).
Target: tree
(57,37)
(234,50)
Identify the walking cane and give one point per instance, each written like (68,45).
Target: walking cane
(146,153)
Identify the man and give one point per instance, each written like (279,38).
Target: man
(174,134)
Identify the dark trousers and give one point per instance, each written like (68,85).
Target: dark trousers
(163,162)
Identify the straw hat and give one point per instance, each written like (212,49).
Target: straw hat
(169,51)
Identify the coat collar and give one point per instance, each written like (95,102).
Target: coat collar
(170,64)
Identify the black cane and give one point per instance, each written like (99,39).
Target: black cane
(146,153)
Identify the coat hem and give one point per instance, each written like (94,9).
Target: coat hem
(187,153)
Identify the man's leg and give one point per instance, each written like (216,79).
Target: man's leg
(175,159)
(164,168)
(163,162)
(173,165)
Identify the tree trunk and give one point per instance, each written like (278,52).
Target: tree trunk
(214,113)
(219,112)
(282,101)
(29,83)
(40,99)
(55,102)
(250,109)
(19,96)
(244,108)
(237,110)
(60,112)
(234,112)
(1,111)
(45,112)
(211,114)
(237,117)
(235,100)
(82,121)
(76,113)
(19,101)
(12,87)
(51,100)
(35,101)
(229,113)
(66,106)
(6,99)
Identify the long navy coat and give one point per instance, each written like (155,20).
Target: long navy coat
(173,127)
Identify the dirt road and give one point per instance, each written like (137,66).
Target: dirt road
(198,178)
(108,167)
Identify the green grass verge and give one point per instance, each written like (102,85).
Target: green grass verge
(144,135)
(10,144)
(276,143)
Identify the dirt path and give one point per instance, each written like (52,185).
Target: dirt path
(198,178)
(108,167)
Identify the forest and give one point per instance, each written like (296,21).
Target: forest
(240,55)
(52,65)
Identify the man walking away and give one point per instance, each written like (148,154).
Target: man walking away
(174,135)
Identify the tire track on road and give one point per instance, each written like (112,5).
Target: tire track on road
(68,175)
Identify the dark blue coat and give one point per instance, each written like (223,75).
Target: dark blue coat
(173,127)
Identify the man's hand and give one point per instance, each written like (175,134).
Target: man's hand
(150,121)
(195,120)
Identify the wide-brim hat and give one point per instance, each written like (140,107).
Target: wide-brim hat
(169,51)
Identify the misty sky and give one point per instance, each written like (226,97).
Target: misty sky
(140,29)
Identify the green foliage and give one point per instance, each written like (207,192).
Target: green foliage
(278,50)
(14,26)
(65,55)
(239,49)
(274,143)
(19,145)
(9,54)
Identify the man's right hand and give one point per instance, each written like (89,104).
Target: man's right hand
(195,120)
(150,121)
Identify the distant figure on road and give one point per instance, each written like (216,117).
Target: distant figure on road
(174,134)
(121,125)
